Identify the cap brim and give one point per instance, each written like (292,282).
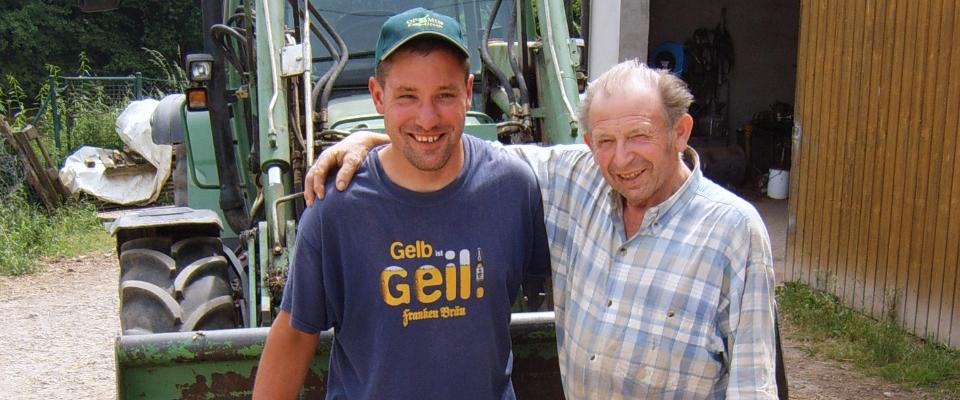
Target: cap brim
(419,34)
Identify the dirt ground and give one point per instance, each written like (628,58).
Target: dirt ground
(58,328)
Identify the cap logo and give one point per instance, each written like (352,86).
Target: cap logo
(425,21)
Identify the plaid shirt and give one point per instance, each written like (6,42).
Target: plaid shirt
(683,309)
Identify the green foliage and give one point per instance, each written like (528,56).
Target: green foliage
(93,124)
(28,232)
(172,76)
(36,33)
(878,347)
(88,115)
(12,97)
(574,15)
(52,71)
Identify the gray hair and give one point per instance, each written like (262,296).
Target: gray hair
(631,74)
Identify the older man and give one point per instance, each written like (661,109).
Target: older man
(663,280)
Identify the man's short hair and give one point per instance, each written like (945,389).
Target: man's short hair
(631,74)
(423,46)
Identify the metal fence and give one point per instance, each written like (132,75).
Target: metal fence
(72,99)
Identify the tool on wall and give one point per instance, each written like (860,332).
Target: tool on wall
(707,66)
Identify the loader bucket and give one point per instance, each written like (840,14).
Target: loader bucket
(222,364)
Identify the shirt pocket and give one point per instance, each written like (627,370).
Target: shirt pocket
(682,355)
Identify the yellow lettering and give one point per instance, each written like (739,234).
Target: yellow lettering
(395,250)
(418,315)
(403,288)
(451,312)
(427,276)
(410,251)
(420,249)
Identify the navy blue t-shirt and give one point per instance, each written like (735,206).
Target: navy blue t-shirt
(418,286)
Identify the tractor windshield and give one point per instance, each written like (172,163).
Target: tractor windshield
(358,23)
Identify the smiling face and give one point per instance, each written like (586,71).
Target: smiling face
(424,99)
(635,145)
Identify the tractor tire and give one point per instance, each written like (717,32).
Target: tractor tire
(176,287)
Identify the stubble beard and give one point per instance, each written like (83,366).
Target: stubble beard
(432,161)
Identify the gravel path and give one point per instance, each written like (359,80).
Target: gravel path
(57,331)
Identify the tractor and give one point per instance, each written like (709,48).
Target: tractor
(278,82)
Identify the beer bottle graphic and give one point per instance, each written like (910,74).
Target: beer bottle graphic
(479,274)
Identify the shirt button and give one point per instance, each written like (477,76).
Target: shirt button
(623,250)
(671,313)
(593,357)
(609,303)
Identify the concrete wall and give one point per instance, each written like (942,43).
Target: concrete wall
(619,30)
(634,28)
(764,33)
(604,38)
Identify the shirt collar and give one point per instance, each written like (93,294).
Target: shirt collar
(655,217)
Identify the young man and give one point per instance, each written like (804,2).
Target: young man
(663,280)
(408,268)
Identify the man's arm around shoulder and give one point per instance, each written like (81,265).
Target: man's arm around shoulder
(285,359)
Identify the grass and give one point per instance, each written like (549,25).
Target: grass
(28,231)
(878,348)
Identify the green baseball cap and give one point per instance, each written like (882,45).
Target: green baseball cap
(410,24)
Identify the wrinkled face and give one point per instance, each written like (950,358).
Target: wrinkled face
(424,101)
(636,149)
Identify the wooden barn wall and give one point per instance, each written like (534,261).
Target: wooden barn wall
(875,186)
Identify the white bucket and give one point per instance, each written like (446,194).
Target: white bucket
(778,183)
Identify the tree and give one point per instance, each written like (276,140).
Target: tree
(34,33)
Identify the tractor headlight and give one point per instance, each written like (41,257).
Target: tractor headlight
(200,71)
(200,67)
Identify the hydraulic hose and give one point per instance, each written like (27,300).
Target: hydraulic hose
(335,53)
(485,54)
(220,34)
(341,55)
(517,71)
(337,68)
